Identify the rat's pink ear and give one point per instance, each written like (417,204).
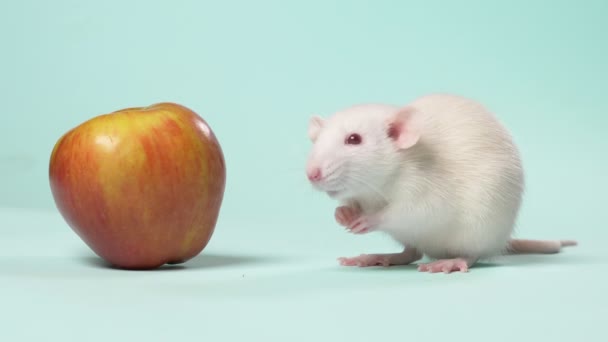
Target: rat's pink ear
(314,127)
(402,130)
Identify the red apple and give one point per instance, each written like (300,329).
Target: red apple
(142,187)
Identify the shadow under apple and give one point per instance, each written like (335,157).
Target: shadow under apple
(202,261)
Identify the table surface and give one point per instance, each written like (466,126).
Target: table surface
(281,283)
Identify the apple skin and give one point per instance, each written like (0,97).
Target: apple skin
(142,187)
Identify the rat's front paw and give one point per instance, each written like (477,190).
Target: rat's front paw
(363,224)
(346,215)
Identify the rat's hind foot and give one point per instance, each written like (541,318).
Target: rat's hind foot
(447,265)
(365,260)
(406,257)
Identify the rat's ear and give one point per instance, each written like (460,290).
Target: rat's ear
(401,129)
(314,127)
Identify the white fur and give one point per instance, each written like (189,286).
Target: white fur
(455,193)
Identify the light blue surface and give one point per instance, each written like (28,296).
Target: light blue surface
(256,71)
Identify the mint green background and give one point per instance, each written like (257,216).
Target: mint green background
(256,71)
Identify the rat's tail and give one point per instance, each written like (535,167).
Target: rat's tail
(521,246)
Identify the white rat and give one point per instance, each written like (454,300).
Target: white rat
(441,175)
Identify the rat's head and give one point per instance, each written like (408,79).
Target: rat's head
(356,151)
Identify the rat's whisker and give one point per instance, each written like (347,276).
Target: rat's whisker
(333,169)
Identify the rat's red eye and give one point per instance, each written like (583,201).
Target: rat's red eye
(353,139)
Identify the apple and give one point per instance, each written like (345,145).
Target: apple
(142,187)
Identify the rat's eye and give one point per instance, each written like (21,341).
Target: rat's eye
(353,139)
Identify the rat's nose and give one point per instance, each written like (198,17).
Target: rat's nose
(314,174)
